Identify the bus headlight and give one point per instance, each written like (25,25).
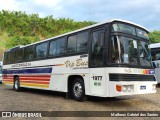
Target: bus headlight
(125,88)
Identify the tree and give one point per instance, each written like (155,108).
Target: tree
(154,36)
(17,40)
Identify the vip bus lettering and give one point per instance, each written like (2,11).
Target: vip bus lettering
(77,63)
(80,62)
(69,64)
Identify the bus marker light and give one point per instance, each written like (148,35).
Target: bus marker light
(119,88)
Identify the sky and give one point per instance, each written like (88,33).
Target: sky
(142,12)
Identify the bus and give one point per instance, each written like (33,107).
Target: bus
(155,53)
(107,59)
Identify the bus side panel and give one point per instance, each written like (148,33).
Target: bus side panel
(98,82)
(63,68)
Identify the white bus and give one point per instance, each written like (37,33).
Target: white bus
(155,53)
(107,59)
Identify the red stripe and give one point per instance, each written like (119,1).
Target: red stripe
(35,75)
(47,83)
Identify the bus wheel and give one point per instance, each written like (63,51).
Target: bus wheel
(78,91)
(16,85)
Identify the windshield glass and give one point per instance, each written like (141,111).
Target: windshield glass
(126,28)
(144,54)
(155,52)
(123,28)
(126,50)
(142,33)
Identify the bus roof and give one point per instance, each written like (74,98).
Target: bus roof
(154,45)
(85,28)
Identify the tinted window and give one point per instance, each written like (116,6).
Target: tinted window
(52,49)
(57,47)
(60,46)
(82,42)
(19,55)
(5,58)
(71,47)
(29,53)
(41,50)
(142,33)
(97,50)
(77,43)
(123,28)
(155,52)
(10,57)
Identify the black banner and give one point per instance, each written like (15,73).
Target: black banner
(29,114)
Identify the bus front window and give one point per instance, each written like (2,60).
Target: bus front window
(144,54)
(124,50)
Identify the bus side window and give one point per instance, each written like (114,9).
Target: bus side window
(71,46)
(19,55)
(60,49)
(10,57)
(82,42)
(29,53)
(57,47)
(41,50)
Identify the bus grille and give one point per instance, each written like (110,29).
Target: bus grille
(131,77)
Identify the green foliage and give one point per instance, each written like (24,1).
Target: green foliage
(17,40)
(23,29)
(154,37)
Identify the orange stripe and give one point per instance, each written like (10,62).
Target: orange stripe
(34,80)
(7,80)
(37,78)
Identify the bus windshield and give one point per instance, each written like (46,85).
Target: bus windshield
(125,50)
(155,52)
(124,28)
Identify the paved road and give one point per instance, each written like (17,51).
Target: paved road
(38,100)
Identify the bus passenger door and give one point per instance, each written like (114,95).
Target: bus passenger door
(96,64)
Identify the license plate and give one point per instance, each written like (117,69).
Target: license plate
(143,87)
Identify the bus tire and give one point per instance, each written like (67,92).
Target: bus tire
(78,90)
(16,85)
